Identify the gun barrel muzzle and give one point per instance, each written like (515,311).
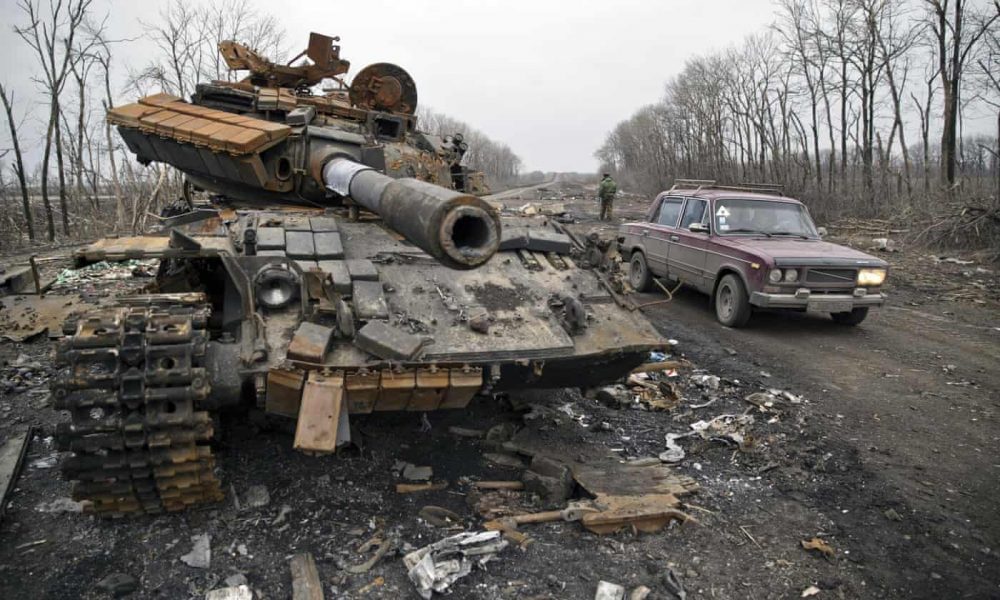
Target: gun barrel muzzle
(460,230)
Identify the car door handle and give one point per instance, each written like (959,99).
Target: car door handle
(674,238)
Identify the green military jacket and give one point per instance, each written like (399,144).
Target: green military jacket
(607,189)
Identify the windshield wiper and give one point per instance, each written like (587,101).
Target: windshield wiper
(801,235)
(742,230)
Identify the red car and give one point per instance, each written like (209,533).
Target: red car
(749,249)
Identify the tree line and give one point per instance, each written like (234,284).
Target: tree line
(86,183)
(822,102)
(495,159)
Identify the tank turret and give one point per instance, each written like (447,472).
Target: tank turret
(268,139)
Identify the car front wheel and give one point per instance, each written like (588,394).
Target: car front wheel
(850,318)
(638,273)
(732,305)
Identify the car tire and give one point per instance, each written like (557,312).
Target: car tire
(732,305)
(850,318)
(639,276)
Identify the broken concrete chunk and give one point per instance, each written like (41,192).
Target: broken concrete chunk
(239,592)
(369,301)
(310,342)
(385,341)
(362,269)
(412,472)
(270,238)
(257,496)
(328,245)
(200,556)
(299,244)
(609,591)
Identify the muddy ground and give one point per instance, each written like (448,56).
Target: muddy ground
(892,458)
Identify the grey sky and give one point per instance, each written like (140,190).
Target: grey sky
(547,77)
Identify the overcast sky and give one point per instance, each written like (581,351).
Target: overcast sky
(548,77)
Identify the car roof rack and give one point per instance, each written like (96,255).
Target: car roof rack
(702,184)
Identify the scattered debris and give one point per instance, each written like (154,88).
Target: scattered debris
(466,433)
(892,515)
(435,567)
(609,591)
(382,547)
(60,505)
(409,488)
(810,591)
(200,556)
(282,516)
(239,592)
(710,382)
(674,453)
(820,546)
(640,593)
(673,584)
(412,472)
(498,485)
(257,496)
(437,516)
(305,578)
(504,460)
(118,585)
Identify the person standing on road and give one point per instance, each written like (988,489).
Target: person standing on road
(606,194)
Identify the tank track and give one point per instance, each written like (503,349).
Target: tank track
(131,380)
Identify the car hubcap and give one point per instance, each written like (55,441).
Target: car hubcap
(638,272)
(725,302)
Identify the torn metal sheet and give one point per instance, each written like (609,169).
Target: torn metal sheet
(25,316)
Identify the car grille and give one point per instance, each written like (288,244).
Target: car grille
(831,276)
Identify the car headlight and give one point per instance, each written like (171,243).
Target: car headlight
(791,275)
(774,275)
(871,277)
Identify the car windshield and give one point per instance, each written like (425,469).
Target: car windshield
(735,216)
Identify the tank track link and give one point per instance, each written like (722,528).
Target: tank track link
(131,379)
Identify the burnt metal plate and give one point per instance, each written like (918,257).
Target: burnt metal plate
(310,342)
(339,274)
(299,244)
(320,224)
(385,341)
(270,238)
(369,301)
(362,269)
(328,245)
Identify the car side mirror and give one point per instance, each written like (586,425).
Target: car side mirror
(821,231)
(698,228)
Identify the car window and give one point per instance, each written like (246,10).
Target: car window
(694,212)
(670,209)
(744,216)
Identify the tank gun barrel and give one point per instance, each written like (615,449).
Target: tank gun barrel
(460,230)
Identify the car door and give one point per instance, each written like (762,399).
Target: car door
(687,257)
(661,227)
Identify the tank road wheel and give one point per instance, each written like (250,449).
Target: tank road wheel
(852,318)
(639,276)
(732,306)
(131,381)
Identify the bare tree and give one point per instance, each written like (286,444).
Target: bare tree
(957,31)
(52,39)
(8,106)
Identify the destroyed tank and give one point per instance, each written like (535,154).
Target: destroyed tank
(344,263)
